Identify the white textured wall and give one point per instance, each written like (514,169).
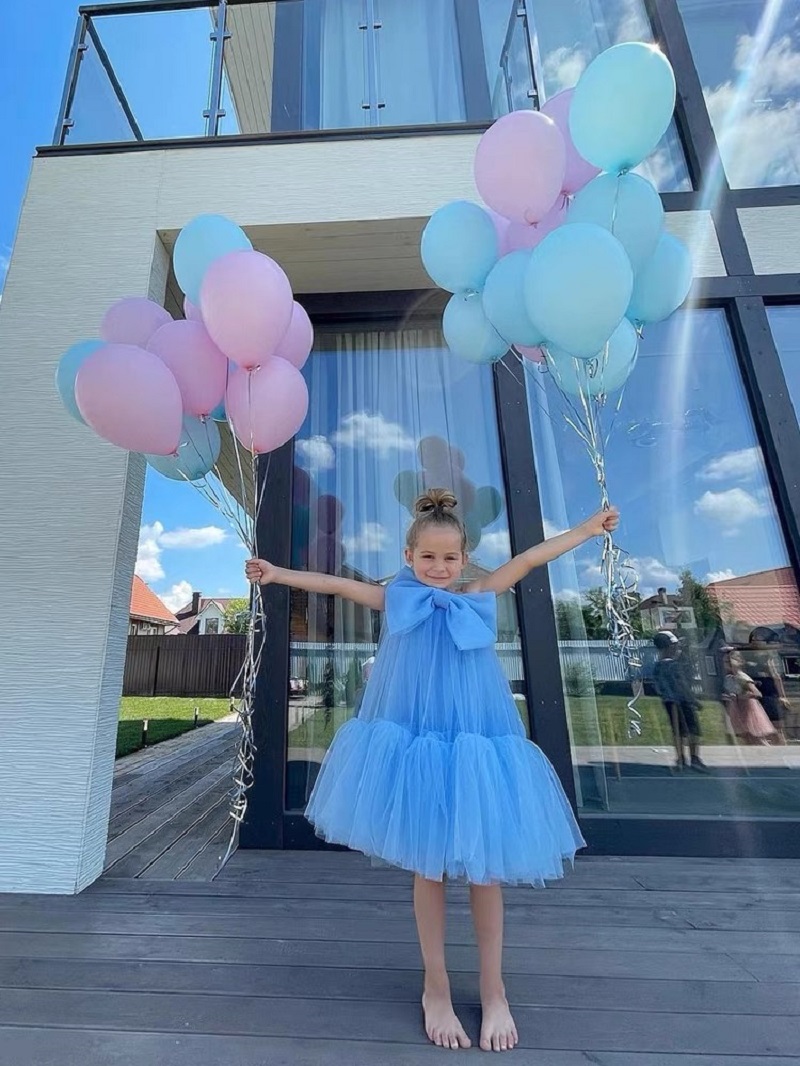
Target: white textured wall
(71,504)
(773,238)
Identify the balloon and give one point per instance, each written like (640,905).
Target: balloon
(459,246)
(190,311)
(622,106)
(408,485)
(468,331)
(519,165)
(535,354)
(504,300)
(577,172)
(268,405)
(663,283)
(201,242)
(133,320)
(198,451)
(247,304)
(520,235)
(130,398)
(488,505)
(330,512)
(501,224)
(298,341)
(198,365)
(68,366)
(613,369)
(218,414)
(301,487)
(472,527)
(626,205)
(578,286)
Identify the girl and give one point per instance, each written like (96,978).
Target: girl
(435,774)
(747,717)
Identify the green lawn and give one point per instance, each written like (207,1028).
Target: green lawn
(168,716)
(593,722)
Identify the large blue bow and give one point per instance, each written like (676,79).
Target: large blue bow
(471,617)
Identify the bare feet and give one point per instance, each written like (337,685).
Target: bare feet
(441,1024)
(498,1031)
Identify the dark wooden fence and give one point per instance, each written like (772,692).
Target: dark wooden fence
(183,666)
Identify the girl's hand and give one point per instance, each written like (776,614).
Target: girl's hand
(602,522)
(259,571)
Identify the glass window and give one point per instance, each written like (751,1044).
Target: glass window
(391,411)
(747,54)
(563,37)
(699,522)
(212,625)
(785,325)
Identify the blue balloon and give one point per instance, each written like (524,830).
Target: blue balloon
(578,287)
(614,365)
(504,300)
(67,370)
(199,243)
(663,283)
(622,106)
(459,246)
(468,331)
(197,453)
(626,205)
(219,414)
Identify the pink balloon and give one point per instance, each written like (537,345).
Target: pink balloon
(296,345)
(536,355)
(130,398)
(133,320)
(519,235)
(267,405)
(190,311)
(246,303)
(197,364)
(519,165)
(501,224)
(577,172)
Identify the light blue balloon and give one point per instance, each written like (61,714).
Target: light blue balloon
(504,300)
(578,287)
(468,331)
(614,365)
(197,453)
(663,283)
(219,414)
(199,243)
(626,205)
(622,106)
(459,246)
(67,370)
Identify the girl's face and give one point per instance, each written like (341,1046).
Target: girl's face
(437,559)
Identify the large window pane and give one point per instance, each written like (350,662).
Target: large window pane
(390,410)
(785,325)
(747,54)
(699,521)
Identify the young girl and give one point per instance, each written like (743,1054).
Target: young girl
(742,698)
(435,774)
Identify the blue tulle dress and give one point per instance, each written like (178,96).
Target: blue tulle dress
(435,774)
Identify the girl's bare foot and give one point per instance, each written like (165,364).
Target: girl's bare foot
(441,1024)
(498,1031)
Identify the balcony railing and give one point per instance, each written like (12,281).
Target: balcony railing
(145,71)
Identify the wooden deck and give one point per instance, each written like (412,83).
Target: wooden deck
(310,959)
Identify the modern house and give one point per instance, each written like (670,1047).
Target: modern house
(331,130)
(148,615)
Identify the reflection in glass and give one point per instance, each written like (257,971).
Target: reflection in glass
(748,57)
(699,521)
(391,412)
(785,325)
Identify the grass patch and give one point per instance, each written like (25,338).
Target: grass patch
(168,716)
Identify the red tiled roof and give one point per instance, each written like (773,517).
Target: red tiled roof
(147,606)
(766,598)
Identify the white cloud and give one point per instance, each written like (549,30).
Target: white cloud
(562,68)
(153,540)
(178,596)
(204,537)
(719,575)
(741,465)
(633,23)
(551,529)
(363,430)
(372,537)
(731,508)
(316,453)
(653,573)
(494,548)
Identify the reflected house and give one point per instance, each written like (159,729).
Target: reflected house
(768,598)
(666,610)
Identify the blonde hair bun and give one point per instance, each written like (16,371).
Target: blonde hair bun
(435,501)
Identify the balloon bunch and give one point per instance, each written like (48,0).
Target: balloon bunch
(570,260)
(162,387)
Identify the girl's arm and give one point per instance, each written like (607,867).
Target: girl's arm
(264,573)
(508,575)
